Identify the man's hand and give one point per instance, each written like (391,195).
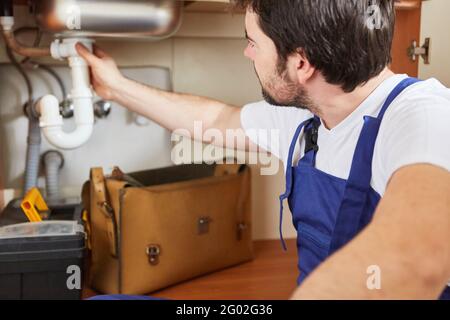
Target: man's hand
(105,75)
(408,239)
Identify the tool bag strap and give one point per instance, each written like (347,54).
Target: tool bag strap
(86,201)
(242,225)
(244,172)
(101,201)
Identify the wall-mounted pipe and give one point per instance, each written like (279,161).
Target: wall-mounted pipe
(53,161)
(154,19)
(34,131)
(51,123)
(81,94)
(6,8)
(33,151)
(51,120)
(7,28)
(7,25)
(47,107)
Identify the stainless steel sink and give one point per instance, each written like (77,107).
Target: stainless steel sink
(109,18)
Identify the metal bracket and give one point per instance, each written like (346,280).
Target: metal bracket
(153,252)
(241,227)
(424,51)
(203,225)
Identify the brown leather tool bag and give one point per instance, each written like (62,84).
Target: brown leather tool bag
(153,229)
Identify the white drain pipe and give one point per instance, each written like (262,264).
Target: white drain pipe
(51,121)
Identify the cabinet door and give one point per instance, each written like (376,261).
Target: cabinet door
(418,20)
(407,30)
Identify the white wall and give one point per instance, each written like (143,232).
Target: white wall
(435,25)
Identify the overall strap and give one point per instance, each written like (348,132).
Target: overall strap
(395,93)
(289,168)
(358,184)
(361,171)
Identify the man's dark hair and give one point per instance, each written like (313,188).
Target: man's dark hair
(349,41)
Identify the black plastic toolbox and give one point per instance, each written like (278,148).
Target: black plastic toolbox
(42,267)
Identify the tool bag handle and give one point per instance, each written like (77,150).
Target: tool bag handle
(242,225)
(100,195)
(244,171)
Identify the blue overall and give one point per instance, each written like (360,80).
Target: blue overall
(329,211)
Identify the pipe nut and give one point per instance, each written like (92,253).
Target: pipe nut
(7,23)
(48,107)
(62,49)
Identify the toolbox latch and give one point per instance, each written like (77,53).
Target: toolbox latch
(241,227)
(153,252)
(203,225)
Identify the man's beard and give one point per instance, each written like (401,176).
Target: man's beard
(299,100)
(294,94)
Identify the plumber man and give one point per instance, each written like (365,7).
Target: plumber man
(366,151)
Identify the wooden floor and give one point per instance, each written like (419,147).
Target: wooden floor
(271,275)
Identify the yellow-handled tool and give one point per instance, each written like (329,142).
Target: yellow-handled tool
(31,203)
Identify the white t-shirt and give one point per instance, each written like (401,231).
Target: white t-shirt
(415,129)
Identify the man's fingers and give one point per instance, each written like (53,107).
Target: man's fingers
(86,54)
(100,53)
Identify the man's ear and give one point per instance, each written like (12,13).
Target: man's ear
(304,69)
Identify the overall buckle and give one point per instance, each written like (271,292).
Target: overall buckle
(312,137)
